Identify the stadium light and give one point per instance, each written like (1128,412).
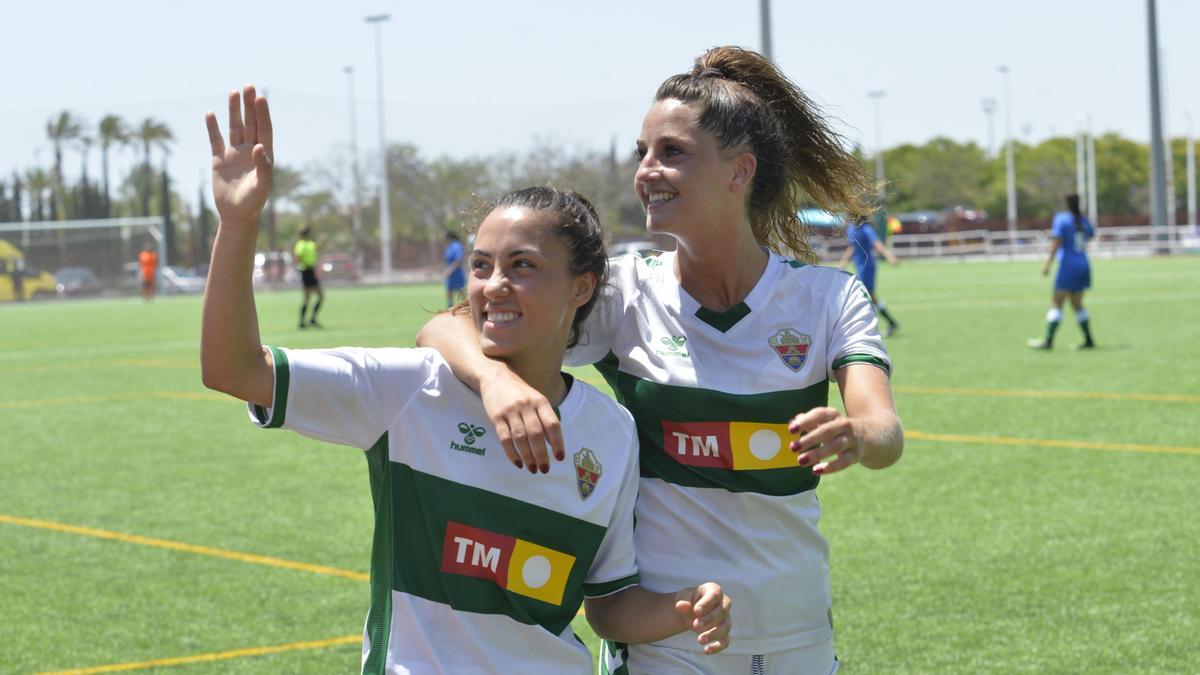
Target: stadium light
(877,97)
(385,216)
(1010,171)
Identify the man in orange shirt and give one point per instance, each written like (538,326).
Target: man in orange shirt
(148,260)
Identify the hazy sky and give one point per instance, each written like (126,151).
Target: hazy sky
(475,77)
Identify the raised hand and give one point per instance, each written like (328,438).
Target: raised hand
(241,179)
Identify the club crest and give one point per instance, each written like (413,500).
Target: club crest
(791,346)
(587,472)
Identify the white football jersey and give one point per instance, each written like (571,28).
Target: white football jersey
(722,497)
(476,566)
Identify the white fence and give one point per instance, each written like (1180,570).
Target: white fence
(1110,242)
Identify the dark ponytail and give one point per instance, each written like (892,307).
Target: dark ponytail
(743,99)
(1073,207)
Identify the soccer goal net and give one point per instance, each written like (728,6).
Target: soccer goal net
(70,257)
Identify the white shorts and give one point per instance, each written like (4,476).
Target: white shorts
(620,659)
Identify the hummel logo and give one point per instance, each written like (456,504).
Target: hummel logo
(470,433)
(674,342)
(674,345)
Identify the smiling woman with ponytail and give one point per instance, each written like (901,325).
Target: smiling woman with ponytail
(733,418)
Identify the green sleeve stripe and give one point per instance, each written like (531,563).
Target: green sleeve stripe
(279,409)
(862,358)
(610,587)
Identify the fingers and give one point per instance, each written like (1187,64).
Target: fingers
(236,130)
(709,616)
(214,135)
(262,164)
(250,131)
(532,443)
(525,430)
(552,430)
(266,133)
(505,436)
(825,433)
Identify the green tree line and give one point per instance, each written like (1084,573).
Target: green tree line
(943,173)
(432,195)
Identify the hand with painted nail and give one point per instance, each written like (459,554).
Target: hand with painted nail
(826,440)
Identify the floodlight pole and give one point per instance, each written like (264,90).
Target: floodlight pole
(1158,187)
(1081,162)
(1093,209)
(1191,173)
(877,97)
(356,177)
(1010,170)
(385,216)
(989,109)
(764,25)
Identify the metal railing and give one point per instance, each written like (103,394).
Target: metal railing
(1110,242)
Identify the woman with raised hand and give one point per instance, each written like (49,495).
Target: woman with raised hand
(723,351)
(474,568)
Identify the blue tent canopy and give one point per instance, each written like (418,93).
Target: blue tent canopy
(819,218)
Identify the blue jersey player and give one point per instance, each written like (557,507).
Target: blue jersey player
(864,243)
(1070,233)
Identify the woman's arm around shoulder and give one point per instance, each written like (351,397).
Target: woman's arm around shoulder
(524,419)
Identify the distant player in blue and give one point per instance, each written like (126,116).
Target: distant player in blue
(456,278)
(1070,233)
(864,244)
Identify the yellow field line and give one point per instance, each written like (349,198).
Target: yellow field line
(1034,393)
(215,656)
(184,547)
(1049,443)
(106,398)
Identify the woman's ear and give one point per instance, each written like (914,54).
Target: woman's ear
(744,166)
(585,286)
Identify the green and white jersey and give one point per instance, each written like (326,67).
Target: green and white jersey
(476,566)
(722,497)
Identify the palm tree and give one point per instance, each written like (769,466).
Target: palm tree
(61,130)
(151,133)
(84,201)
(37,182)
(112,131)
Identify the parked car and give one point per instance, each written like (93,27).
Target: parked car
(176,279)
(918,222)
(77,281)
(274,268)
(339,267)
(19,278)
